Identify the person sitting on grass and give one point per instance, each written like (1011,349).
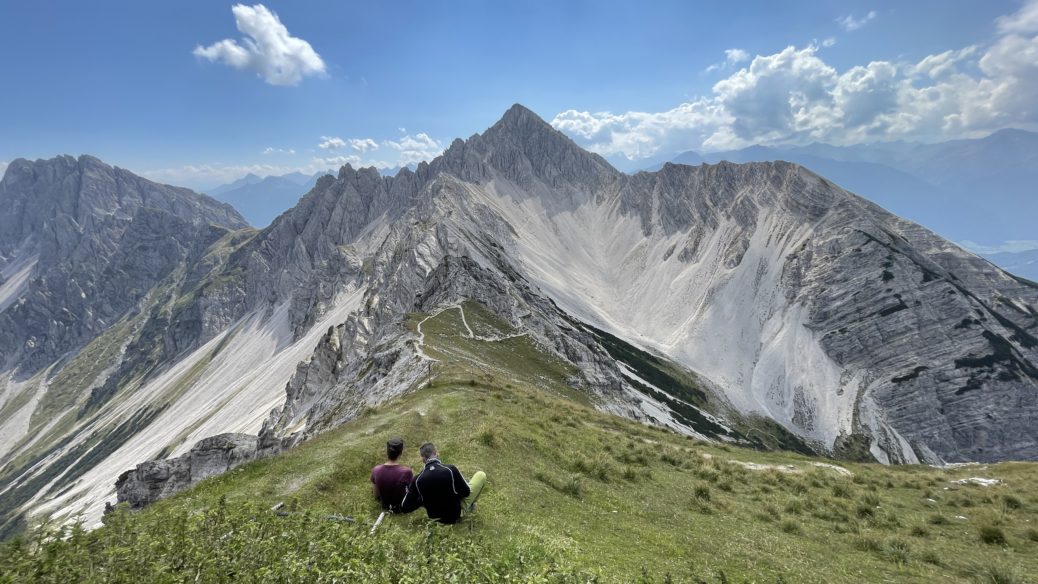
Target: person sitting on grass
(390,479)
(441,489)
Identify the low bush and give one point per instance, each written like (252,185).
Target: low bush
(992,535)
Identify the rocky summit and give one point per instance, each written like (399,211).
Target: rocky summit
(147,330)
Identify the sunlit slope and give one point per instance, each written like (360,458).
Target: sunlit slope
(572,491)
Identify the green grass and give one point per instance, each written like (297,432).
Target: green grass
(574,494)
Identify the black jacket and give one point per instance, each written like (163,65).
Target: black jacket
(440,488)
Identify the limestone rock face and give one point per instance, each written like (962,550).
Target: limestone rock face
(151,481)
(97,239)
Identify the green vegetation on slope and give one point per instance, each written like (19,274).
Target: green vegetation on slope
(573,494)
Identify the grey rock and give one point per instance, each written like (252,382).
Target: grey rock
(154,480)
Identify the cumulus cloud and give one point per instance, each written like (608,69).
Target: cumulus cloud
(363,144)
(1022,21)
(204,176)
(331,143)
(851,23)
(359,144)
(732,57)
(351,159)
(266,49)
(415,149)
(409,149)
(795,96)
(272,150)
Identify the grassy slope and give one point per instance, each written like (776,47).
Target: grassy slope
(571,489)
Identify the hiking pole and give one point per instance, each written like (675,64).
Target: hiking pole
(378,522)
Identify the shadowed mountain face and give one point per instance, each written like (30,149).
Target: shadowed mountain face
(718,300)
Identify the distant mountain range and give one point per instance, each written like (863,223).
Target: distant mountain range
(966,190)
(261,199)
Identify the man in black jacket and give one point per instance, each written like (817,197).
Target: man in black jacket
(441,489)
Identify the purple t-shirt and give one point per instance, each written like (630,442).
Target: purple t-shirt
(391,482)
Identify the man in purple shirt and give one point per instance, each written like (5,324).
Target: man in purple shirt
(390,479)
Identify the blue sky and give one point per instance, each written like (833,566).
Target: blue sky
(175,90)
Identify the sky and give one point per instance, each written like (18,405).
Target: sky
(200,92)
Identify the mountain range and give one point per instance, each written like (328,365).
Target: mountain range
(151,336)
(261,199)
(966,190)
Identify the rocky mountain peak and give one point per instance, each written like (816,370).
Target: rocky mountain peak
(523,147)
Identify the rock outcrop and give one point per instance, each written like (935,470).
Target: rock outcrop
(156,479)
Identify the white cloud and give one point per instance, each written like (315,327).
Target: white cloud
(1022,21)
(351,159)
(267,48)
(272,150)
(829,42)
(416,148)
(204,176)
(732,57)
(409,149)
(331,143)
(795,96)
(363,144)
(3,168)
(850,22)
(1011,246)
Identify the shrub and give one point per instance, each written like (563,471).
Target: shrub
(919,531)
(841,490)
(487,436)
(795,506)
(864,511)
(937,519)
(1011,502)
(596,469)
(247,543)
(790,526)
(572,486)
(997,574)
(708,475)
(867,544)
(1032,534)
(670,459)
(992,535)
(701,492)
(898,551)
(930,557)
